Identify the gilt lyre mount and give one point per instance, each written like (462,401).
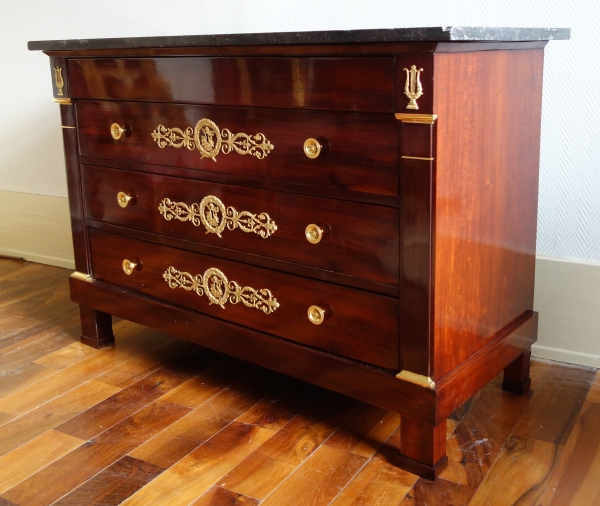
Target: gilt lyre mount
(59,81)
(413,88)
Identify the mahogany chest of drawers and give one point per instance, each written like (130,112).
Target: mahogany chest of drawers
(355,209)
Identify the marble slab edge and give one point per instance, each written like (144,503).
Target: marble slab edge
(433,34)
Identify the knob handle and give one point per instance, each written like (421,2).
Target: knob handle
(117,131)
(318,314)
(312,147)
(123,199)
(313,233)
(130,265)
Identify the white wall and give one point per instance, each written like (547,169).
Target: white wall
(31,159)
(569,210)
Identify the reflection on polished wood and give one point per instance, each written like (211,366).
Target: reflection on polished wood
(157,420)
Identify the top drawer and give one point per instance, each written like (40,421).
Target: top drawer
(347,84)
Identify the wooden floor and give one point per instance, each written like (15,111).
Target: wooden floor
(158,421)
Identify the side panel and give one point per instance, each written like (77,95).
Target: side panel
(485,203)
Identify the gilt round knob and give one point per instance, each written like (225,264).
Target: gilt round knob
(116,131)
(316,315)
(313,233)
(123,199)
(312,148)
(129,266)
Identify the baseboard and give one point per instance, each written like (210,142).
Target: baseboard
(36,228)
(567,296)
(562,355)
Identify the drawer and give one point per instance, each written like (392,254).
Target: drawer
(356,239)
(357,324)
(351,84)
(360,150)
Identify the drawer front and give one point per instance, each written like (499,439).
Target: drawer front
(350,84)
(357,324)
(359,150)
(356,239)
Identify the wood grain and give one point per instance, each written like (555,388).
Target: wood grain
(299,420)
(563,399)
(37,394)
(197,472)
(362,155)
(520,473)
(80,465)
(484,249)
(114,484)
(594,393)
(121,405)
(350,331)
(23,377)
(344,83)
(376,484)
(19,357)
(35,455)
(579,483)
(265,469)
(219,496)
(146,361)
(328,471)
(425,493)
(476,442)
(211,416)
(365,431)
(66,356)
(37,421)
(352,229)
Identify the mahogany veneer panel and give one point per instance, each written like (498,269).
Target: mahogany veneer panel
(486,197)
(349,331)
(352,230)
(361,154)
(352,84)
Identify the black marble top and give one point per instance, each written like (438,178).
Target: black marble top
(433,34)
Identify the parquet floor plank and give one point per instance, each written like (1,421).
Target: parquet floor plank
(328,470)
(218,496)
(193,475)
(62,323)
(520,473)
(376,484)
(5,418)
(77,467)
(218,411)
(113,485)
(67,356)
(579,483)
(478,438)
(23,377)
(124,403)
(146,362)
(131,343)
(144,422)
(555,404)
(212,380)
(20,430)
(23,355)
(448,493)
(34,456)
(594,393)
(278,408)
(14,324)
(365,432)
(263,470)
